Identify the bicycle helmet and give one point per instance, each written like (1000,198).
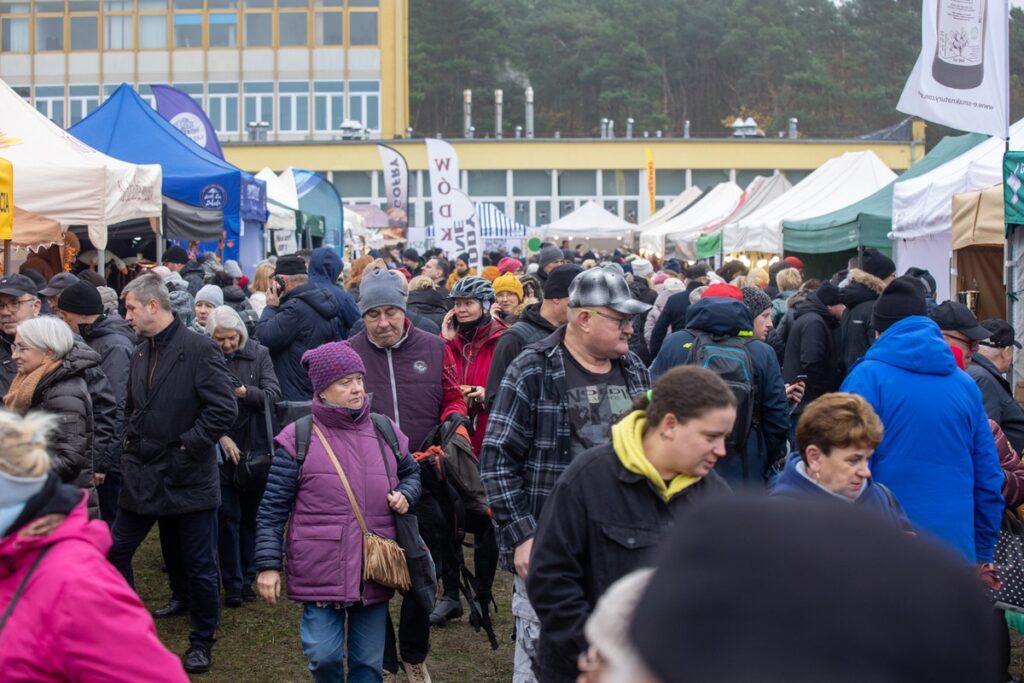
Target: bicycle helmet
(473,287)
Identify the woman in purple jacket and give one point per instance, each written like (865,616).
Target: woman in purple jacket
(324,545)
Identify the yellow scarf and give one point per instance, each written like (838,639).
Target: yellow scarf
(628,442)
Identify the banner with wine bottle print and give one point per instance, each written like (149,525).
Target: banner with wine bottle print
(961,78)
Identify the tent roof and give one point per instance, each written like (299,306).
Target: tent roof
(760,191)
(590,220)
(718,203)
(867,222)
(495,223)
(58,177)
(279,189)
(978,218)
(923,205)
(672,209)
(838,182)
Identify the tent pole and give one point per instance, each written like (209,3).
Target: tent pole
(159,240)
(7,257)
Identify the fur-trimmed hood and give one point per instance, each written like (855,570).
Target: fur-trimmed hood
(867,279)
(862,286)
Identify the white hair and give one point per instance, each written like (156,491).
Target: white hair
(227,318)
(23,443)
(47,333)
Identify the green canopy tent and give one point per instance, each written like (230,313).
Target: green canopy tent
(866,223)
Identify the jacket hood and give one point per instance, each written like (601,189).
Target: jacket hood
(109,326)
(324,264)
(191,267)
(321,301)
(810,305)
(862,287)
(427,298)
(80,358)
(16,547)
(719,316)
(628,443)
(233,294)
(531,314)
(914,344)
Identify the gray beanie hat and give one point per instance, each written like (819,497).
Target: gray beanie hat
(109,297)
(211,294)
(549,253)
(232,269)
(381,288)
(183,306)
(756,300)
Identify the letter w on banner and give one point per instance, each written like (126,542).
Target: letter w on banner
(961,78)
(443,163)
(396,184)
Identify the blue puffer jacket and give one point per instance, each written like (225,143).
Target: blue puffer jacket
(767,442)
(324,269)
(938,455)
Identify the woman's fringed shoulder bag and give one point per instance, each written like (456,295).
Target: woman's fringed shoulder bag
(383,559)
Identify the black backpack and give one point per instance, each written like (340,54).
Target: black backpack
(729,358)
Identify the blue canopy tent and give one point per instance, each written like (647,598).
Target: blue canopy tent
(127,128)
(319,197)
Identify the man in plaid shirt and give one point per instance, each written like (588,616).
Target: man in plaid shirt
(558,398)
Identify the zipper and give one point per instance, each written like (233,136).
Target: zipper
(394,388)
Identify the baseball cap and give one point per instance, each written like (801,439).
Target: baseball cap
(57,284)
(16,285)
(604,287)
(1002,334)
(953,316)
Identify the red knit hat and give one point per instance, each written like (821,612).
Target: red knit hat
(509,265)
(723,291)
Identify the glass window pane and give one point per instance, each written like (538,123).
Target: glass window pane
(152,4)
(284,113)
(259,3)
(259,30)
(15,7)
(362,28)
(353,183)
(363,3)
(221,4)
(328,3)
(293,3)
(50,6)
(533,183)
(49,33)
(486,183)
(117,32)
(188,4)
(372,112)
(293,28)
(118,5)
(153,31)
(84,33)
(320,113)
(620,182)
(83,5)
(671,182)
(231,115)
(355,109)
(14,35)
(327,27)
(188,30)
(302,113)
(577,183)
(223,30)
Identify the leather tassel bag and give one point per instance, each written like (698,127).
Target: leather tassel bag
(383,559)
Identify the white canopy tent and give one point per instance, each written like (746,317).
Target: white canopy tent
(282,200)
(60,178)
(590,221)
(685,227)
(671,209)
(838,182)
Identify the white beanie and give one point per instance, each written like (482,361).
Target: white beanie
(211,294)
(642,268)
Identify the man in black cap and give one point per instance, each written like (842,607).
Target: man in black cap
(176,260)
(299,316)
(988,368)
(673,316)
(19,301)
(55,286)
(960,328)
(812,346)
(864,286)
(411,261)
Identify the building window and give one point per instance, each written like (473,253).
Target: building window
(84,32)
(328,25)
(620,183)
(259,29)
(580,183)
(188,4)
(14,30)
(292,29)
(49,33)
(293,106)
(328,105)
(364,103)
(362,28)
(83,101)
(50,102)
(259,103)
(188,30)
(486,183)
(223,107)
(118,33)
(153,24)
(363,3)
(223,30)
(193,90)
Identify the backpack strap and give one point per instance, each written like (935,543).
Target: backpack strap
(383,426)
(303,434)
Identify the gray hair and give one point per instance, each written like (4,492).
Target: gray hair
(23,443)
(227,318)
(47,333)
(149,287)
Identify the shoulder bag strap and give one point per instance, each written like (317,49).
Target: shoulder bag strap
(21,587)
(381,426)
(344,479)
(269,423)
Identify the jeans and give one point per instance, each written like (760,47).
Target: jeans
(236,542)
(322,631)
(191,564)
(527,634)
(108,493)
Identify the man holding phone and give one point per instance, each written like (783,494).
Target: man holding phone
(813,348)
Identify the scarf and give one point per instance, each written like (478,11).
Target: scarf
(23,387)
(628,442)
(468,330)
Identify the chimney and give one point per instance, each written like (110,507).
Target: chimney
(629,128)
(499,104)
(793,134)
(467,113)
(529,113)
(686,129)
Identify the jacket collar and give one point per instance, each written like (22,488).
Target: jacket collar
(989,367)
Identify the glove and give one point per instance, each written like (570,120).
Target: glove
(988,575)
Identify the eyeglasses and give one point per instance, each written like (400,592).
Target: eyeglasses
(21,348)
(621,322)
(14,305)
(969,343)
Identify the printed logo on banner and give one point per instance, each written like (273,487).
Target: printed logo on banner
(212,197)
(191,125)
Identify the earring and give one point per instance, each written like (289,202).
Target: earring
(665,437)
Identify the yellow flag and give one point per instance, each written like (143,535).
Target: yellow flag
(651,184)
(6,200)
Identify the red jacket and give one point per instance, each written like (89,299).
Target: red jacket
(473,362)
(77,619)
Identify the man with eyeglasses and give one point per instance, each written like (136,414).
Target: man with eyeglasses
(558,398)
(960,328)
(19,301)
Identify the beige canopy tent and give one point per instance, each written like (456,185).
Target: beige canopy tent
(978,239)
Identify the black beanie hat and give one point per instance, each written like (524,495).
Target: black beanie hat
(176,254)
(559,279)
(290,265)
(81,298)
(828,293)
(874,262)
(902,298)
(759,576)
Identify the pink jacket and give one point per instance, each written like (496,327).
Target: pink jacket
(77,619)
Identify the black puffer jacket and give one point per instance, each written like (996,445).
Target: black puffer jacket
(641,291)
(858,333)
(113,339)
(429,303)
(811,350)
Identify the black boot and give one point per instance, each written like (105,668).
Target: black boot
(173,608)
(197,660)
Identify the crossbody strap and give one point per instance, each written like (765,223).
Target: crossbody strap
(341,474)
(21,587)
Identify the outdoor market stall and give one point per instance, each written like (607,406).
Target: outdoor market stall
(678,235)
(590,222)
(671,209)
(978,242)
(761,191)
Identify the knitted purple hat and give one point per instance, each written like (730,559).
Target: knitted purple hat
(328,363)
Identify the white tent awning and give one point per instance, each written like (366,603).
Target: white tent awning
(718,203)
(590,220)
(671,209)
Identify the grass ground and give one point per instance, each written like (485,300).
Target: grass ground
(258,642)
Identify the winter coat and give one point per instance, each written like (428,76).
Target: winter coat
(997,397)
(258,301)
(937,456)
(114,340)
(251,364)
(858,331)
(77,609)
(600,523)
(780,304)
(767,441)
(531,327)
(529,440)
(172,421)
(195,275)
(324,269)
(656,311)
(792,484)
(1013,468)
(306,318)
(324,543)
(641,291)
(7,367)
(673,317)
(454,277)
(812,349)
(415,382)
(472,363)
(429,303)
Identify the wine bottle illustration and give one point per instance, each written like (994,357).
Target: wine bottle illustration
(960,43)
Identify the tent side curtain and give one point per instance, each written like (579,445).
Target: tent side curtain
(186,222)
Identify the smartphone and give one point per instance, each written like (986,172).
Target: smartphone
(802,379)
(280,283)
(235,381)
(453,323)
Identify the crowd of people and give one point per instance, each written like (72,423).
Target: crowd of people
(663,455)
